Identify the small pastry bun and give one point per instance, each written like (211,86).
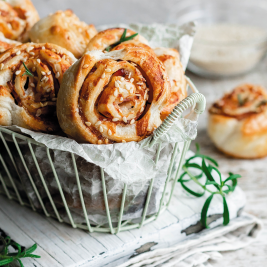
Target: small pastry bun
(63,28)
(237,123)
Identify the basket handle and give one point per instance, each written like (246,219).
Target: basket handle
(196,100)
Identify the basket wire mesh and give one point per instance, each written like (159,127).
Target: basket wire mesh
(195,101)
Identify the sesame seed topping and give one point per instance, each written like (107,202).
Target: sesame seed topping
(142,109)
(103,75)
(43,48)
(120,90)
(18,72)
(132,121)
(64,57)
(127,86)
(116,93)
(59,60)
(131,80)
(98,123)
(18,53)
(32,84)
(109,132)
(121,99)
(106,141)
(99,142)
(134,64)
(54,50)
(39,112)
(139,83)
(43,73)
(13,68)
(1,66)
(115,119)
(29,49)
(43,79)
(129,76)
(9,26)
(101,129)
(48,73)
(85,66)
(39,60)
(108,70)
(57,75)
(122,79)
(88,123)
(123,141)
(131,91)
(31,53)
(117,84)
(124,119)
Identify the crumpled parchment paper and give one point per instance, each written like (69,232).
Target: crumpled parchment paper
(123,163)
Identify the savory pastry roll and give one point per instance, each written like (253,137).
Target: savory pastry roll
(109,39)
(113,39)
(30,77)
(65,29)
(238,122)
(113,97)
(5,43)
(171,61)
(16,19)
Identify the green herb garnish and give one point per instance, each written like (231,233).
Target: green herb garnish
(27,71)
(221,188)
(6,258)
(241,102)
(122,39)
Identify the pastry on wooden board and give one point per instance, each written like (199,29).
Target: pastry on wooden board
(64,29)
(28,92)
(238,122)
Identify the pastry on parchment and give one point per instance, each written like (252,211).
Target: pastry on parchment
(238,122)
(64,29)
(109,40)
(106,97)
(30,77)
(16,19)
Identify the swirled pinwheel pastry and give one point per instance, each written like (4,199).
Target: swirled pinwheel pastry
(238,122)
(30,77)
(171,61)
(65,29)
(113,97)
(5,43)
(16,19)
(110,39)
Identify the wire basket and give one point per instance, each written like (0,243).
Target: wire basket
(10,175)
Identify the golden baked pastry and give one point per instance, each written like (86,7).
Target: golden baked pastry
(65,29)
(107,39)
(30,76)
(238,122)
(5,43)
(16,19)
(171,61)
(113,97)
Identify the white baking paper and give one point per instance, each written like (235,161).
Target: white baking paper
(123,163)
